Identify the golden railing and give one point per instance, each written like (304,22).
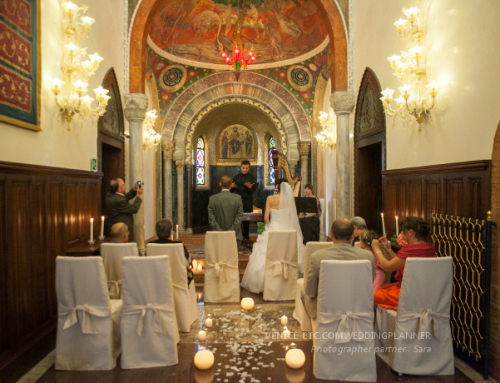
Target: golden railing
(468,242)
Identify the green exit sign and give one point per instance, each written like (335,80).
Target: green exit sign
(93,164)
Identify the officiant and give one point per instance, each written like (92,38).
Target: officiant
(245,185)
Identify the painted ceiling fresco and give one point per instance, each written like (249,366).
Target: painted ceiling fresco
(199,30)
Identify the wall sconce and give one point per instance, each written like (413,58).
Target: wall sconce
(150,137)
(417,95)
(70,93)
(327,137)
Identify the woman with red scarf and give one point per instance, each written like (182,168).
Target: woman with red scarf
(414,231)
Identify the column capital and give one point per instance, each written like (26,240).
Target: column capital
(179,165)
(168,149)
(136,105)
(304,149)
(343,102)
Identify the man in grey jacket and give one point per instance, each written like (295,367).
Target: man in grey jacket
(342,233)
(225,209)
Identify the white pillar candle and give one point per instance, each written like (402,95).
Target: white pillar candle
(383,224)
(397,226)
(247,303)
(102,227)
(200,268)
(208,321)
(202,335)
(284,320)
(286,333)
(204,359)
(295,358)
(91,229)
(177,232)
(194,264)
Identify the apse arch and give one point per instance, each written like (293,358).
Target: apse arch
(145,11)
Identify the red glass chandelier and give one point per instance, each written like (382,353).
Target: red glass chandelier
(238,61)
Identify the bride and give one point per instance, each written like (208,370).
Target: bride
(281,208)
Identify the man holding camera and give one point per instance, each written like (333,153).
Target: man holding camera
(118,209)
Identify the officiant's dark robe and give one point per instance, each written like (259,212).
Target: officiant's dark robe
(225,212)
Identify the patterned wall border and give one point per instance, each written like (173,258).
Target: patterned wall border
(225,101)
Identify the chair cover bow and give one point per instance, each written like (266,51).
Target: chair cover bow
(159,311)
(281,267)
(85,318)
(114,288)
(348,324)
(219,269)
(427,321)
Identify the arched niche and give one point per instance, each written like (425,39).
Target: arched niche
(369,151)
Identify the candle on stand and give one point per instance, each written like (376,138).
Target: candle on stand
(286,333)
(202,335)
(397,226)
(284,320)
(383,224)
(91,231)
(208,321)
(102,228)
(177,232)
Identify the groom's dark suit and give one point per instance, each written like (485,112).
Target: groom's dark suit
(225,211)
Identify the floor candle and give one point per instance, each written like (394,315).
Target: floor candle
(284,320)
(247,303)
(202,335)
(286,333)
(204,359)
(208,321)
(295,358)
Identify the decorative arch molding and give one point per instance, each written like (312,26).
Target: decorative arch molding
(142,19)
(185,141)
(250,84)
(111,123)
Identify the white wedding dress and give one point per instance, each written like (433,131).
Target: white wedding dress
(283,219)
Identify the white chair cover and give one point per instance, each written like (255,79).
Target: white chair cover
(149,328)
(88,336)
(300,312)
(345,315)
(112,255)
(280,278)
(222,276)
(186,307)
(422,320)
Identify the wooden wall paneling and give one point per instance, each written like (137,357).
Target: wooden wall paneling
(432,196)
(455,196)
(415,197)
(3,266)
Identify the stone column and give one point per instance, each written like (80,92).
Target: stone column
(293,165)
(343,105)
(179,165)
(189,223)
(136,105)
(304,150)
(168,151)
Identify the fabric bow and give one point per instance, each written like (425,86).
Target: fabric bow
(219,269)
(114,288)
(348,324)
(427,321)
(85,318)
(281,267)
(159,311)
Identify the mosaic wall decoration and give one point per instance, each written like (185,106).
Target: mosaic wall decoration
(235,143)
(271,145)
(20,63)
(172,78)
(299,78)
(200,161)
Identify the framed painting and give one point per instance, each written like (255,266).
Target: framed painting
(236,143)
(20,63)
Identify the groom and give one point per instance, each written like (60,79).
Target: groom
(225,210)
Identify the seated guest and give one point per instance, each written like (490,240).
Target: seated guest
(119,233)
(309,222)
(359,224)
(164,233)
(414,230)
(366,238)
(342,232)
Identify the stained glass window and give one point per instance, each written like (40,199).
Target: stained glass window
(271,145)
(200,162)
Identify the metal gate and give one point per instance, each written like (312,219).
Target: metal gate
(468,242)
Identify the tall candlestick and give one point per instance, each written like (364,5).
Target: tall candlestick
(383,224)
(102,228)
(397,226)
(177,232)
(91,231)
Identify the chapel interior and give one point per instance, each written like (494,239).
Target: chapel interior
(185,90)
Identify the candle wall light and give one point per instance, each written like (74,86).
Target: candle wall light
(150,137)
(70,92)
(417,93)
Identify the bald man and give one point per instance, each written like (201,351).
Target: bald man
(118,209)
(119,233)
